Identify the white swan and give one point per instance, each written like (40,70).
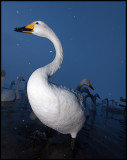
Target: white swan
(10,95)
(83,82)
(12,84)
(56,106)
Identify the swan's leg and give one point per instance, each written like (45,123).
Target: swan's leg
(72,143)
(48,132)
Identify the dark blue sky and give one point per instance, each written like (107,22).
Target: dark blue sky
(93,36)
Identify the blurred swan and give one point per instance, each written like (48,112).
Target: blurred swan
(11,95)
(107,102)
(83,82)
(112,100)
(85,90)
(122,99)
(95,96)
(2,77)
(56,106)
(12,84)
(91,107)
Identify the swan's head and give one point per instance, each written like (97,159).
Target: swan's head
(21,79)
(85,81)
(97,95)
(38,28)
(13,82)
(3,73)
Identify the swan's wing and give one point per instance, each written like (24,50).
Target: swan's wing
(76,93)
(7,95)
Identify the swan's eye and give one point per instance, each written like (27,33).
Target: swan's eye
(37,23)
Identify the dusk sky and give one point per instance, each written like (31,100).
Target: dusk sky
(93,36)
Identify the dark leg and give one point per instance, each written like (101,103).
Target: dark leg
(48,132)
(72,143)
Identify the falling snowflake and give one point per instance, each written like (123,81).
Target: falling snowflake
(17,12)
(50,51)
(17,45)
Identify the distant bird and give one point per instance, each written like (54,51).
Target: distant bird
(56,106)
(11,95)
(85,90)
(17,86)
(12,84)
(112,100)
(2,77)
(85,81)
(116,103)
(106,99)
(122,99)
(93,98)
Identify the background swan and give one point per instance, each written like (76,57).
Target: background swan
(92,97)
(107,102)
(113,102)
(56,106)
(83,82)
(2,77)
(12,84)
(11,95)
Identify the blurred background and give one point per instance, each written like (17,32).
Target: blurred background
(93,36)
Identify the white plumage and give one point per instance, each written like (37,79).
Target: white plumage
(56,106)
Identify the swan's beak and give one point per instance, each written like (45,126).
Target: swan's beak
(23,79)
(27,29)
(91,86)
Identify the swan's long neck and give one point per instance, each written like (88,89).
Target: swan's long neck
(78,88)
(11,86)
(107,102)
(95,98)
(52,67)
(17,89)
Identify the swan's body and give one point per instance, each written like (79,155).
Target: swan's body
(6,94)
(56,106)
(11,95)
(86,90)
